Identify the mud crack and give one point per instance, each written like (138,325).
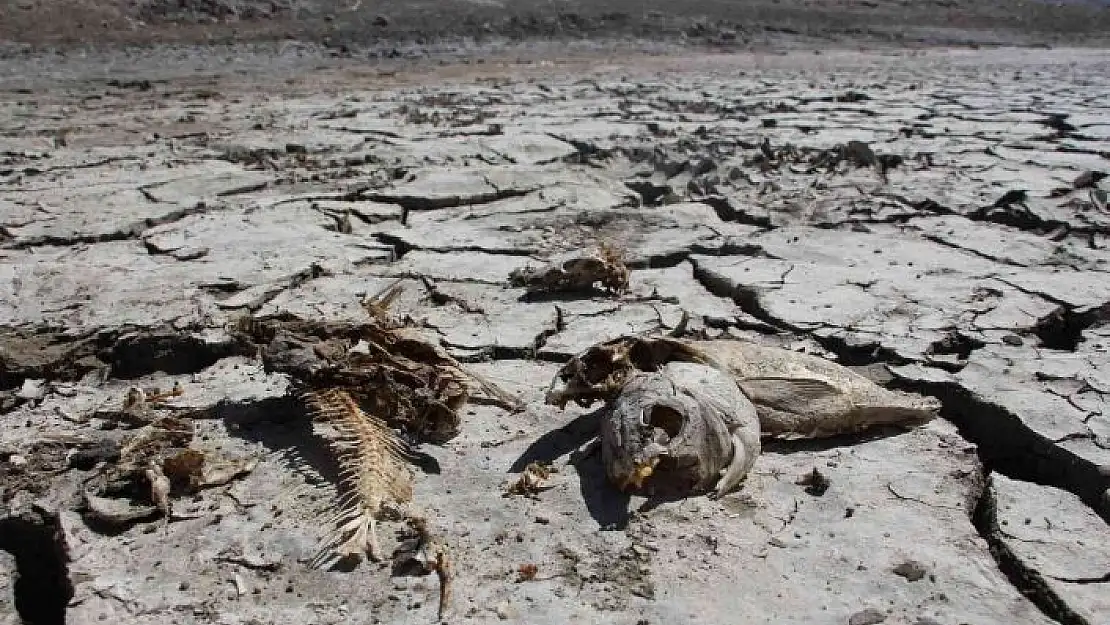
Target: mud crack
(42,586)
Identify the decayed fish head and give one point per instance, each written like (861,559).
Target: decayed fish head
(632,445)
(600,372)
(671,432)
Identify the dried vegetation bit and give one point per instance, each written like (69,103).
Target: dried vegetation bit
(531,481)
(526,572)
(156,462)
(576,274)
(373,471)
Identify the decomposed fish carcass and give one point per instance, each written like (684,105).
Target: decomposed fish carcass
(676,404)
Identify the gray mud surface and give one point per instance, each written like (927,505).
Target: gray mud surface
(937,219)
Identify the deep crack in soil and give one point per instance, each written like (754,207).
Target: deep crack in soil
(42,586)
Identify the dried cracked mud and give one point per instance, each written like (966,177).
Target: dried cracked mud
(936,219)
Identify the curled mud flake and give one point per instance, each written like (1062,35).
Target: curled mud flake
(869,616)
(115,512)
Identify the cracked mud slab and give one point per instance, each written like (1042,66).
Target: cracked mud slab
(937,219)
(1057,543)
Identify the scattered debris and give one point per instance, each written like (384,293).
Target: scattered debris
(576,273)
(420,553)
(531,481)
(140,406)
(138,468)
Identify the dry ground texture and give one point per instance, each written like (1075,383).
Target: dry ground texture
(936,219)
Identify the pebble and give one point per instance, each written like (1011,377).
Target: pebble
(912,570)
(870,616)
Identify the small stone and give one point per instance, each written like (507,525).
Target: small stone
(503,610)
(912,570)
(870,616)
(32,390)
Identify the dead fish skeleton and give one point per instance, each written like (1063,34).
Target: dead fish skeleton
(785,393)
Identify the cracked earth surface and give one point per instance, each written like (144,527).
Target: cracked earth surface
(938,220)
